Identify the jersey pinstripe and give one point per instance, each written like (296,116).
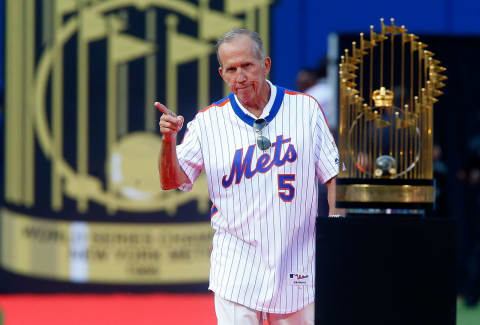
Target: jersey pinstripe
(265,202)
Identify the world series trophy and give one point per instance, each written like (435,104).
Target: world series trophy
(389,84)
(388,245)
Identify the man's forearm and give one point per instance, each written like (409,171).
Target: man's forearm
(171,174)
(331,196)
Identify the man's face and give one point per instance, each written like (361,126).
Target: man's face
(242,70)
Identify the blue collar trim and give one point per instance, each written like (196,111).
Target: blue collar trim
(250,120)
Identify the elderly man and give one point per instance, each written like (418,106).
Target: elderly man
(264,149)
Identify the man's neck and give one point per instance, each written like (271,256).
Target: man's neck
(257,108)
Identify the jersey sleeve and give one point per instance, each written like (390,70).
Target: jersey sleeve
(189,154)
(325,150)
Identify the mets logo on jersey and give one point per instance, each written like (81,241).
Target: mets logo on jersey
(243,166)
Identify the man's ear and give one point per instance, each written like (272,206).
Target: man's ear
(267,64)
(220,72)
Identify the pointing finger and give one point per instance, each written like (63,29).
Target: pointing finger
(162,108)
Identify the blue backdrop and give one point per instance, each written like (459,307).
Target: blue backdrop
(303,26)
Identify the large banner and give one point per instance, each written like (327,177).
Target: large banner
(81,199)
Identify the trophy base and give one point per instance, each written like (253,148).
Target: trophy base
(385,193)
(380,270)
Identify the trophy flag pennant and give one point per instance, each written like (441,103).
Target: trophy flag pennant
(349,76)
(418,46)
(350,84)
(437,68)
(395,30)
(365,44)
(375,37)
(392,29)
(379,123)
(352,60)
(369,115)
(349,67)
(407,122)
(358,52)
(409,38)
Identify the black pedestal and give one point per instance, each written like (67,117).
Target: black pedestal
(385,270)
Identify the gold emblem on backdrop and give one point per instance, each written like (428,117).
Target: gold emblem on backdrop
(131,182)
(389,83)
(39,45)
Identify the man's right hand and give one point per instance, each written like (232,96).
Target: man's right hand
(169,122)
(171,174)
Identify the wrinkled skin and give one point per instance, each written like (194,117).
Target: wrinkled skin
(245,73)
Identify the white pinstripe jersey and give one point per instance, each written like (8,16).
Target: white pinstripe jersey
(264,202)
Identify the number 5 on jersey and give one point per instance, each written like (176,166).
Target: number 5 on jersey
(286,191)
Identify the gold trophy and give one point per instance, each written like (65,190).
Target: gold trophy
(388,86)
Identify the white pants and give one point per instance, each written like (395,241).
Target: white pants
(231,313)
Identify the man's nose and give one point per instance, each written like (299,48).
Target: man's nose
(241,76)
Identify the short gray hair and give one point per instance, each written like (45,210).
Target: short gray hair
(233,34)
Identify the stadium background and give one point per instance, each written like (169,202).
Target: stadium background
(298,33)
